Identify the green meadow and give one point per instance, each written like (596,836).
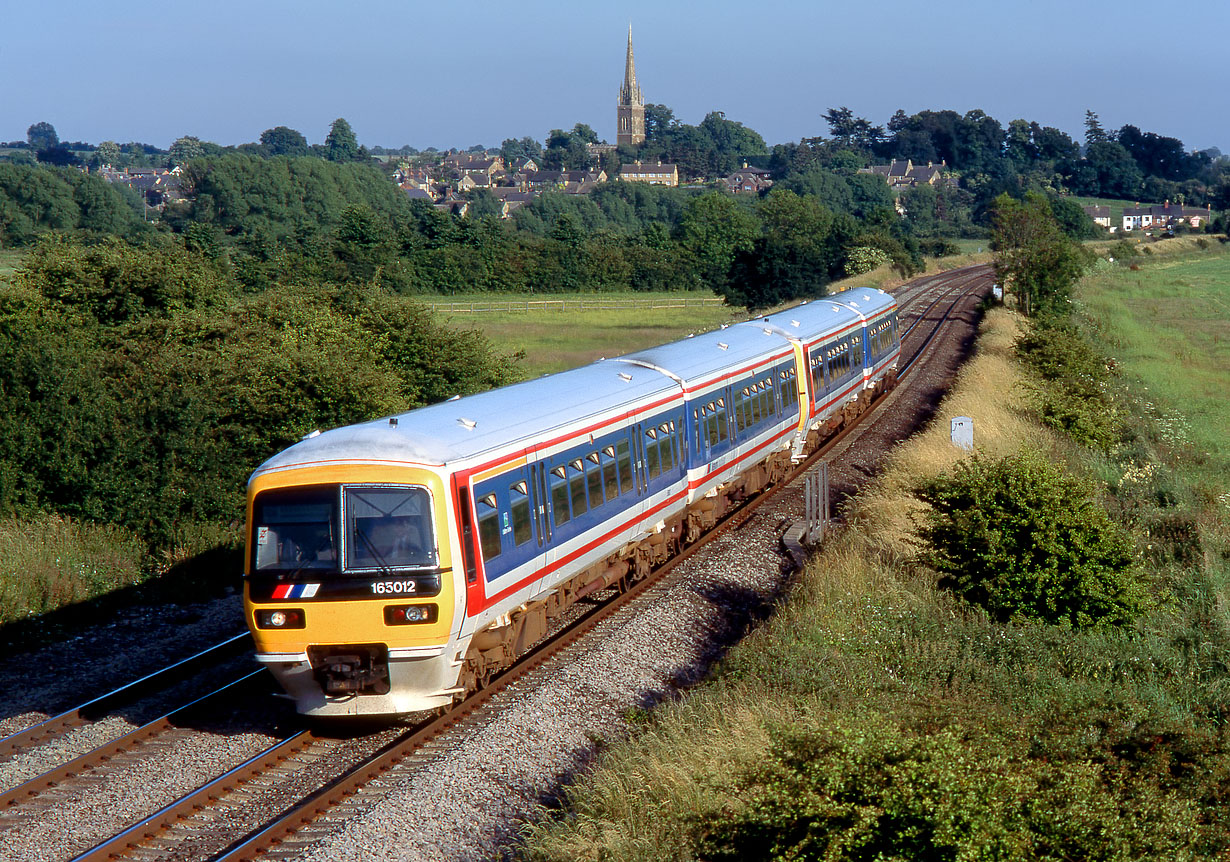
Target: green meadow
(1168,326)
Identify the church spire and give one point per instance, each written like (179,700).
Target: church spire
(631,92)
(630,112)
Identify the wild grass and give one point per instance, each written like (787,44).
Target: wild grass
(10,260)
(47,562)
(868,664)
(556,340)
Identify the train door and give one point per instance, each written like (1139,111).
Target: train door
(544,519)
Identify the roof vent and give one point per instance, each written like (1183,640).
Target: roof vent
(392,421)
(768,331)
(795,323)
(455,398)
(468,424)
(625,376)
(866,297)
(309,435)
(722,345)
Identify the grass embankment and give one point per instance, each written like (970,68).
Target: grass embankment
(875,714)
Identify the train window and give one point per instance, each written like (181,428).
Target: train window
(576,485)
(559,495)
(388,528)
(519,506)
(593,476)
(722,422)
(623,454)
(489,527)
(293,530)
(666,446)
(653,463)
(610,478)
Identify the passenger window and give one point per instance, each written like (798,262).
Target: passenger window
(722,422)
(665,446)
(623,454)
(559,495)
(576,479)
(652,464)
(519,505)
(593,472)
(489,527)
(610,480)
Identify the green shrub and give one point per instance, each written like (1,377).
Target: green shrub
(1025,540)
(871,790)
(1071,396)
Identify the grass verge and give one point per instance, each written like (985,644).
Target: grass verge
(875,716)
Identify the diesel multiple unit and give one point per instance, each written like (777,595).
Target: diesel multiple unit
(395,565)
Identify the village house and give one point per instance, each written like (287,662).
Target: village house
(748,180)
(656,174)
(1100,215)
(1165,216)
(902,175)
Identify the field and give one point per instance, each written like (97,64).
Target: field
(9,261)
(589,327)
(875,716)
(1168,325)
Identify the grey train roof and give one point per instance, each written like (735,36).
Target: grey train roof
(523,412)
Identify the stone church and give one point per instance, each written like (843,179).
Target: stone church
(630,113)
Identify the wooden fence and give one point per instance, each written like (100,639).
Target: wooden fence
(512,306)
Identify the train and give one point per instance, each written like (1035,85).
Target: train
(396,565)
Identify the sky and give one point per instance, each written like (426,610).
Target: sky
(449,74)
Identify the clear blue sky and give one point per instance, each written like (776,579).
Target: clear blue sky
(452,75)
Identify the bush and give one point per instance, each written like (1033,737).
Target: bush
(1071,396)
(871,790)
(1023,539)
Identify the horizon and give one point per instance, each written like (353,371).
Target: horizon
(436,78)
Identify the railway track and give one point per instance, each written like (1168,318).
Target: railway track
(190,827)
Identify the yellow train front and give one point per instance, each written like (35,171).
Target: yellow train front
(349,594)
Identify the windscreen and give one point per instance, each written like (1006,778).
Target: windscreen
(389,528)
(294,530)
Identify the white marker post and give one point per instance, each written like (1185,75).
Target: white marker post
(963,433)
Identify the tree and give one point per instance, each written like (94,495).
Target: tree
(42,136)
(715,228)
(515,151)
(284,141)
(659,120)
(1094,133)
(341,144)
(184,149)
(107,153)
(1033,258)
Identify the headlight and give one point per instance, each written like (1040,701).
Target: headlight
(283,618)
(404,615)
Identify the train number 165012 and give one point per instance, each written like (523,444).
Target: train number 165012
(396,588)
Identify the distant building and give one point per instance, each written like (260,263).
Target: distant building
(1100,215)
(630,112)
(903,174)
(658,174)
(1166,215)
(748,180)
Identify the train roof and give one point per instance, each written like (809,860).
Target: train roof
(464,427)
(701,358)
(813,320)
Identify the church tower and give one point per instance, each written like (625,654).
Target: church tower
(630,113)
